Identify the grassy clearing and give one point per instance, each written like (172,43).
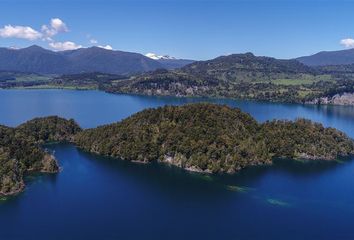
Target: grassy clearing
(304,80)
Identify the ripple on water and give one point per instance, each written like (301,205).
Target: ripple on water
(277,202)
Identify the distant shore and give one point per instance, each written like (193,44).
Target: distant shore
(345,99)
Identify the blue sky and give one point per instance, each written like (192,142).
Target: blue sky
(194,29)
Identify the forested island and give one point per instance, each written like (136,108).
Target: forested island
(198,137)
(212,138)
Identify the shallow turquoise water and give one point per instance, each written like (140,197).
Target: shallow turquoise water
(100,198)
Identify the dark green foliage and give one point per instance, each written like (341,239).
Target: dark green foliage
(49,129)
(207,136)
(20,149)
(305,139)
(211,138)
(16,155)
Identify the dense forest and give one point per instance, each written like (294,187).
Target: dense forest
(49,129)
(212,138)
(304,139)
(21,151)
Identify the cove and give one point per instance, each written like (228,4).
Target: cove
(102,198)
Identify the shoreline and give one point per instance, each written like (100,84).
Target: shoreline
(314,102)
(15,192)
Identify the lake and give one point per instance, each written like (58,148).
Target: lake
(101,198)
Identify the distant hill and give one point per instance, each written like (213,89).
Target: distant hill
(246,67)
(243,76)
(39,60)
(329,58)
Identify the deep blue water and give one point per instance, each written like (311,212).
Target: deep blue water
(100,198)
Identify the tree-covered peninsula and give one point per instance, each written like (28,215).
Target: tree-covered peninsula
(212,138)
(21,152)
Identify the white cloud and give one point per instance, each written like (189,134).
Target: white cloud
(56,26)
(46,33)
(62,46)
(93,41)
(108,47)
(348,42)
(23,32)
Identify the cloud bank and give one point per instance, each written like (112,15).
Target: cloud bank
(47,34)
(347,42)
(62,46)
(22,32)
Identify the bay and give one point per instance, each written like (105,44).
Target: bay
(101,198)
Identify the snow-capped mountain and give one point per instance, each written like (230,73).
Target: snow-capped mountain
(159,57)
(169,62)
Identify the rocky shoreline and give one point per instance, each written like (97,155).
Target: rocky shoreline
(14,191)
(49,166)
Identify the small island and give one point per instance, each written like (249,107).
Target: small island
(198,137)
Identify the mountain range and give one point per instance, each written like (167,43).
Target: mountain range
(36,59)
(39,60)
(242,76)
(342,57)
